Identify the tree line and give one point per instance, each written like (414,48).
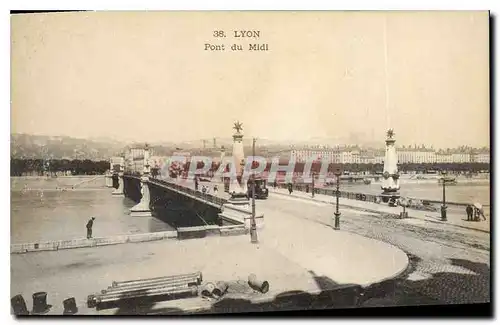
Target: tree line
(41,167)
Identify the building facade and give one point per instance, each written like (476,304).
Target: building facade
(481,157)
(406,155)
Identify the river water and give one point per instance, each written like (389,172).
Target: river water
(41,211)
(462,193)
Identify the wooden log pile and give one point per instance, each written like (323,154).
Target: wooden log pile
(135,292)
(167,287)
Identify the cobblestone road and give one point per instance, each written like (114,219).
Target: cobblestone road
(449,265)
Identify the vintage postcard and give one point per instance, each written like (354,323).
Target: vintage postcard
(243,162)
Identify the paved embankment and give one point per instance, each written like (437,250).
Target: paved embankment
(449,265)
(292,255)
(454,219)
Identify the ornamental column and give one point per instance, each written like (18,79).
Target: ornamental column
(390,180)
(119,191)
(222,155)
(109,174)
(238,186)
(142,208)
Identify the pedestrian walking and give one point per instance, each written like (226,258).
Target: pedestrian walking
(196,183)
(290,188)
(275,184)
(204,189)
(216,189)
(89,227)
(469,211)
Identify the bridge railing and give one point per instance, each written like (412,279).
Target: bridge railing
(204,196)
(410,202)
(333,192)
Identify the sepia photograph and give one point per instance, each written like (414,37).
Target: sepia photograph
(255,162)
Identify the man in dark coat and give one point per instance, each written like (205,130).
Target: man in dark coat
(89,227)
(290,188)
(469,211)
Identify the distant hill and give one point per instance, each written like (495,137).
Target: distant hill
(62,147)
(101,148)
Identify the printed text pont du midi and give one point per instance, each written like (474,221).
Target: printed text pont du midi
(238,35)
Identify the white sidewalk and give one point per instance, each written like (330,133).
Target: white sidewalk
(454,218)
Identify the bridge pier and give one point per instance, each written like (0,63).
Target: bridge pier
(142,209)
(109,179)
(119,191)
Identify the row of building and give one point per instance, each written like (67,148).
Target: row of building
(134,157)
(353,155)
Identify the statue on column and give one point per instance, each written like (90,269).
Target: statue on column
(390,180)
(238,186)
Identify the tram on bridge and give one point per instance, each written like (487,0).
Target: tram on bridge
(261,190)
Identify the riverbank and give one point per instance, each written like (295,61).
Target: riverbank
(311,267)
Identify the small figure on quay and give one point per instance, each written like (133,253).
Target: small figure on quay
(196,183)
(290,188)
(469,211)
(216,189)
(275,184)
(89,227)
(204,189)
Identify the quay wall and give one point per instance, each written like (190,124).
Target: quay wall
(180,234)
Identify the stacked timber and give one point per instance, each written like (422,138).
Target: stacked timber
(168,287)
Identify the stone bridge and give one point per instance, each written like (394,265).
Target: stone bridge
(184,206)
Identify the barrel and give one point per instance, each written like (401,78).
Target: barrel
(208,290)
(256,284)
(220,289)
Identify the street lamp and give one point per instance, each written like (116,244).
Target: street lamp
(337,193)
(443,207)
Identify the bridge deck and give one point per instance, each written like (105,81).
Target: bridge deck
(212,200)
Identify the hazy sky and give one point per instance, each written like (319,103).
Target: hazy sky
(146,76)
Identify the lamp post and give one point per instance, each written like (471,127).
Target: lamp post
(313,174)
(337,193)
(253,225)
(443,207)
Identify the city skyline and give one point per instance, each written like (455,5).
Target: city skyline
(198,143)
(96,75)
